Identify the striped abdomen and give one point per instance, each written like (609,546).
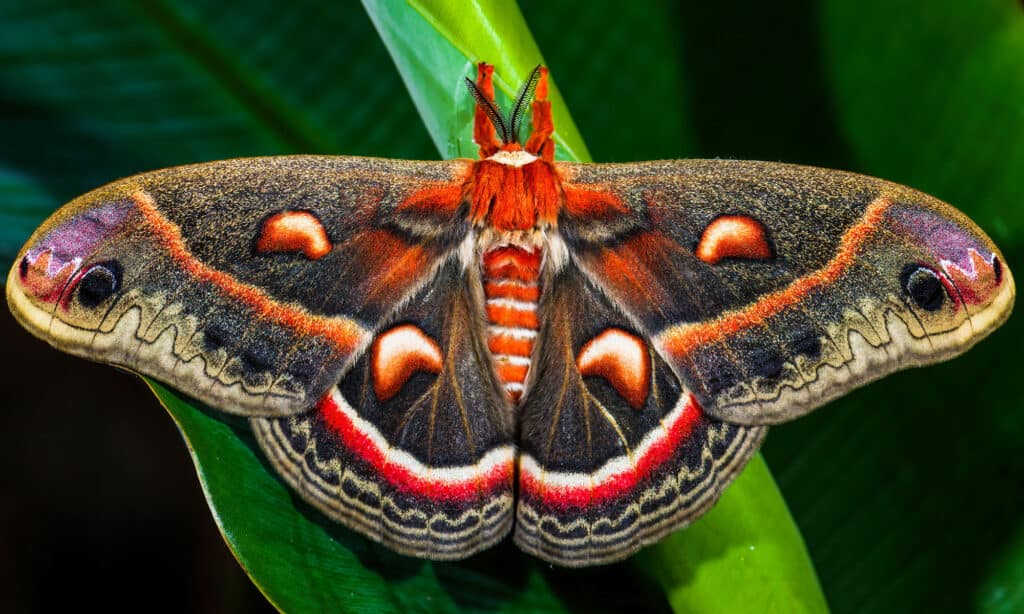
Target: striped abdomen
(512,290)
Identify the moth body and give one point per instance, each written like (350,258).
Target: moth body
(512,287)
(514,227)
(437,354)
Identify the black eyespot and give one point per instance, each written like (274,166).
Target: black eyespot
(99,283)
(923,285)
(997,268)
(23,267)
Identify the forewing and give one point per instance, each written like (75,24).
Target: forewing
(770,288)
(250,284)
(615,451)
(413,447)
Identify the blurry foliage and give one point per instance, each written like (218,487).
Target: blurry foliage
(908,492)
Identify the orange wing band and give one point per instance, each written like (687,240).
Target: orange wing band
(345,334)
(682,339)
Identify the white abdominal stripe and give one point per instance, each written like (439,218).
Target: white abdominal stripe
(512,304)
(513,359)
(512,331)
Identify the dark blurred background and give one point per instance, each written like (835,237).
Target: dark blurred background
(908,492)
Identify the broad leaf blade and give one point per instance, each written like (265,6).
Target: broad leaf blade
(744,551)
(436,44)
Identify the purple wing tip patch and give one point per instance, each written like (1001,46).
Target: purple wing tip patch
(964,261)
(53,265)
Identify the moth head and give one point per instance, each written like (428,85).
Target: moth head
(508,126)
(71,271)
(498,135)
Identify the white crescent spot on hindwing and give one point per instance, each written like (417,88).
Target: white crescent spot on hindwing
(400,353)
(622,360)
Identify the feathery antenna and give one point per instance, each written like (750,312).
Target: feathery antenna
(523,99)
(491,111)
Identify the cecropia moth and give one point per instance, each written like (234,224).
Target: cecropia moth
(437,354)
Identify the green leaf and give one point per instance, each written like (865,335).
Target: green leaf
(744,551)
(930,95)
(436,44)
(304,562)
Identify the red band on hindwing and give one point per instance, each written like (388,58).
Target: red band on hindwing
(619,477)
(492,473)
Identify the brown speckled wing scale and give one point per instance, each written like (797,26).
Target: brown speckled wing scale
(249,283)
(771,289)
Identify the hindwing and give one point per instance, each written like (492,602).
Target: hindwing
(413,447)
(615,450)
